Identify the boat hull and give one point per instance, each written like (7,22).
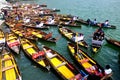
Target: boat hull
(9,68)
(34,53)
(61,66)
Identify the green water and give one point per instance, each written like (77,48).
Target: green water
(99,9)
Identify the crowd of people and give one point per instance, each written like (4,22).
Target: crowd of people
(98,35)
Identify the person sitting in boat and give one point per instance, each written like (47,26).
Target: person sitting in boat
(98,33)
(108,72)
(78,37)
(52,21)
(41,12)
(106,23)
(49,19)
(101,37)
(94,22)
(49,54)
(39,24)
(88,21)
(26,20)
(17,17)
(75,18)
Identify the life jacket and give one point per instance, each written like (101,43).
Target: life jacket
(36,55)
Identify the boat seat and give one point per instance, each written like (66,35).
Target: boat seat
(11,38)
(6,53)
(5,59)
(23,42)
(28,47)
(62,64)
(7,68)
(53,56)
(1,36)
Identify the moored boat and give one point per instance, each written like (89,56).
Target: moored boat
(62,67)
(51,10)
(84,60)
(42,35)
(8,66)
(36,27)
(18,31)
(34,53)
(78,38)
(97,40)
(50,24)
(70,23)
(2,40)
(13,42)
(113,41)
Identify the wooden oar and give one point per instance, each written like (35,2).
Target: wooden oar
(78,48)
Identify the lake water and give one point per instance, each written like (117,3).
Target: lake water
(99,9)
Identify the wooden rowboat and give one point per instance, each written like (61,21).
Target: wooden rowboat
(8,66)
(35,26)
(34,53)
(97,40)
(113,41)
(73,36)
(97,25)
(47,24)
(84,60)
(2,40)
(62,67)
(70,24)
(13,42)
(41,35)
(51,10)
(19,32)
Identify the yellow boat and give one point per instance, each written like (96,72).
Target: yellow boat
(34,53)
(13,42)
(17,31)
(85,61)
(2,40)
(65,69)
(21,32)
(73,36)
(8,67)
(41,35)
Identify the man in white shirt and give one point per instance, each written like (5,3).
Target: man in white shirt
(108,72)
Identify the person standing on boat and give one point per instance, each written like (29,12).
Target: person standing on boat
(108,72)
